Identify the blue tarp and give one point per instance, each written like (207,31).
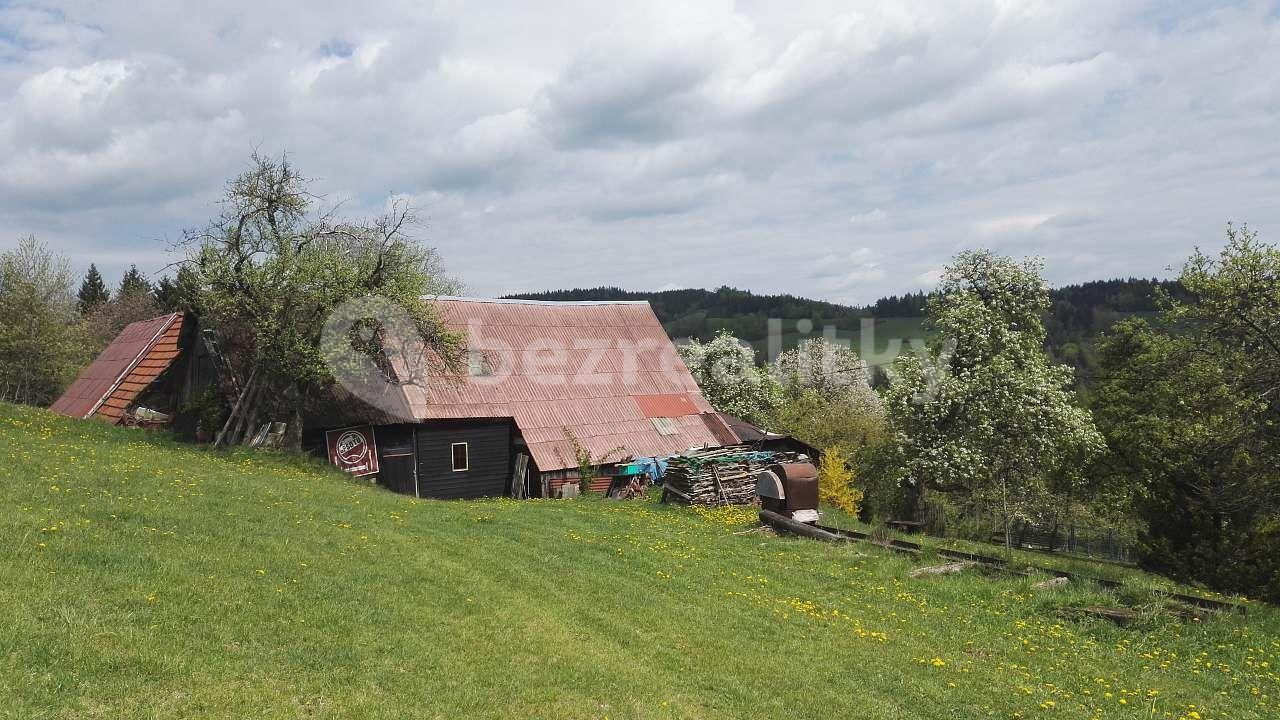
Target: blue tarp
(652,467)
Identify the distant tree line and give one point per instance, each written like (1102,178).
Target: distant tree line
(1073,320)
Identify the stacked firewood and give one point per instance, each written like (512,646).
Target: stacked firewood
(721,476)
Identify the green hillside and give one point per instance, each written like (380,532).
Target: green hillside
(141,578)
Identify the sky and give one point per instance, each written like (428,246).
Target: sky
(837,150)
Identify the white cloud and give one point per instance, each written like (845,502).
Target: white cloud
(862,255)
(1011,223)
(871,217)
(661,143)
(929,279)
(864,273)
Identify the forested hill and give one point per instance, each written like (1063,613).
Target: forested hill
(1078,314)
(700,313)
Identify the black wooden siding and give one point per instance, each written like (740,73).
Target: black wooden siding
(489,453)
(396,457)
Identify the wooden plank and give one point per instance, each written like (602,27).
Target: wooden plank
(667,488)
(782,522)
(520,477)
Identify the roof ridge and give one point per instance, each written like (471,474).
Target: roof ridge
(167,323)
(518,301)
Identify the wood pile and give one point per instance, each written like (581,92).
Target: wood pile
(720,476)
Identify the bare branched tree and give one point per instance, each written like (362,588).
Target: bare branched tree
(275,265)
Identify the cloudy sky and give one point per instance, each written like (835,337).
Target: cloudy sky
(841,150)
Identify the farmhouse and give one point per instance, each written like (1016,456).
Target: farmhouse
(547,387)
(546,384)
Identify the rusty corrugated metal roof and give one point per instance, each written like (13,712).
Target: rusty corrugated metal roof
(597,369)
(720,426)
(668,405)
(138,355)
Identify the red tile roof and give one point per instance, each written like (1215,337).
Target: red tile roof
(138,355)
(600,370)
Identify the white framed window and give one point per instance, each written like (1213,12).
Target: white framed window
(459,456)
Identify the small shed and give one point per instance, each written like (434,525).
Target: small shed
(144,377)
(761,439)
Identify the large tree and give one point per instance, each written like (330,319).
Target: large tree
(1232,300)
(93,291)
(39,345)
(726,372)
(1190,405)
(274,267)
(983,416)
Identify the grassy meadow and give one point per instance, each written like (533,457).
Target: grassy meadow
(141,578)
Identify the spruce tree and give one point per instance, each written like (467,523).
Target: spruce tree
(93,291)
(133,284)
(177,294)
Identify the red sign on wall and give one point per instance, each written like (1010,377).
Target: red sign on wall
(353,450)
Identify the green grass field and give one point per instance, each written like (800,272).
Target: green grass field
(142,578)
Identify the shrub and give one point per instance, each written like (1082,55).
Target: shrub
(588,465)
(835,481)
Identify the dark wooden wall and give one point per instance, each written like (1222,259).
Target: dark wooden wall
(489,448)
(396,457)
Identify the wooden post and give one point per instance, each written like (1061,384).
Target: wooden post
(715,478)
(519,478)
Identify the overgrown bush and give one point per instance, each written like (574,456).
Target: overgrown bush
(972,528)
(835,481)
(203,414)
(883,496)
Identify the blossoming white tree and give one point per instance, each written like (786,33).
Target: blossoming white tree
(834,372)
(827,399)
(984,416)
(726,372)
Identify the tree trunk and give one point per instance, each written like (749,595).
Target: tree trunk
(293,432)
(1008,521)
